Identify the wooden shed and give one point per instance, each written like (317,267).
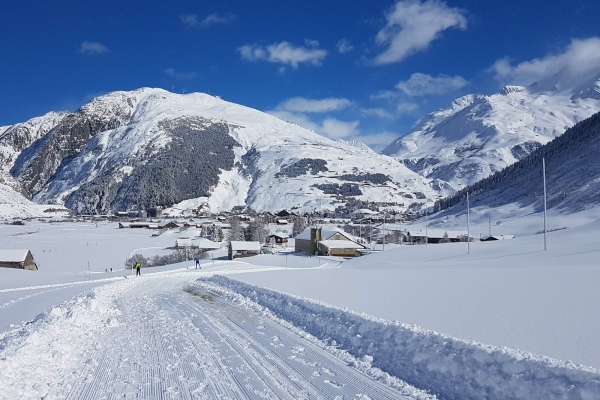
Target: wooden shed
(17,258)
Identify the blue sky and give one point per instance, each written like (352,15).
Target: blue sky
(366,70)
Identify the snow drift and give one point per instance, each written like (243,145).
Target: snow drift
(448,367)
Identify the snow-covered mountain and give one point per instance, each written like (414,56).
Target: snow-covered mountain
(572,178)
(478,135)
(150,147)
(13,140)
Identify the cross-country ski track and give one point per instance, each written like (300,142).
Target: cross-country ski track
(154,338)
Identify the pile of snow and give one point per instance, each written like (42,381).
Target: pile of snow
(54,339)
(448,367)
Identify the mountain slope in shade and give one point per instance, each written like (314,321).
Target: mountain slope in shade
(478,135)
(572,177)
(150,147)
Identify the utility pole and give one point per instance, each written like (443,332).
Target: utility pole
(468,227)
(490,226)
(426,225)
(384,231)
(544,174)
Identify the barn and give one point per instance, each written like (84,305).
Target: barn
(17,258)
(243,249)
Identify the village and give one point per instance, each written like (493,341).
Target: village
(237,234)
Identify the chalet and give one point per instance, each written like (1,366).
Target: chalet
(18,258)
(338,248)
(122,214)
(435,236)
(280,239)
(185,243)
(283,214)
(208,245)
(139,225)
(496,237)
(170,225)
(243,249)
(282,222)
(307,241)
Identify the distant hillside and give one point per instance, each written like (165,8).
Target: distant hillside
(478,135)
(572,175)
(150,147)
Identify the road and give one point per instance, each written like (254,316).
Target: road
(165,342)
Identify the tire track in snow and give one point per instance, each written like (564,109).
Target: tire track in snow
(167,343)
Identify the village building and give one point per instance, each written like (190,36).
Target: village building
(496,237)
(338,248)
(243,249)
(170,225)
(279,239)
(307,241)
(435,236)
(17,258)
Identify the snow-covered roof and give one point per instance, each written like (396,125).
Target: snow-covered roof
(340,244)
(437,233)
(248,246)
(208,244)
(280,235)
(325,234)
(498,237)
(13,255)
(185,242)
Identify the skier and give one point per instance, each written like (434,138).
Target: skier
(137,269)
(197,262)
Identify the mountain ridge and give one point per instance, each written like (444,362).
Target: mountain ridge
(150,147)
(477,135)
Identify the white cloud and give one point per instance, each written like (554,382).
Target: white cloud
(579,59)
(412,25)
(406,108)
(333,128)
(299,119)
(344,46)
(301,104)
(376,112)
(91,48)
(179,75)
(284,53)
(422,84)
(193,21)
(384,95)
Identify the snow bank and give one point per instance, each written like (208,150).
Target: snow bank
(57,339)
(448,367)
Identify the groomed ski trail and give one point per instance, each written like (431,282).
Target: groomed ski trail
(167,343)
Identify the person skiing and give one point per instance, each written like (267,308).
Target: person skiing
(137,269)
(197,262)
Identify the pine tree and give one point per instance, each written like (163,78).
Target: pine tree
(299,225)
(236,232)
(256,231)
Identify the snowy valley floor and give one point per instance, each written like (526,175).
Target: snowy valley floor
(155,337)
(178,332)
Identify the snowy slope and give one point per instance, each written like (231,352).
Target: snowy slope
(478,135)
(13,140)
(572,178)
(151,147)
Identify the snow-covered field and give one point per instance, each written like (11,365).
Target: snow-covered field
(67,332)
